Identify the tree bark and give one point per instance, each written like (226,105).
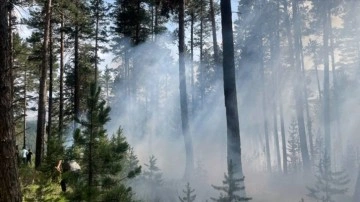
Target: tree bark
(298,95)
(189,166)
(336,113)
(276,134)
(213,29)
(61,90)
(326,99)
(40,135)
(9,183)
(24,106)
(192,22)
(291,59)
(275,51)
(265,116)
(76,74)
(306,102)
(51,66)
(278,89)
(11,45)
(201,68)
(318,80)
(76,67)
(96,40)
(156,24)
(283,139)
(230,95)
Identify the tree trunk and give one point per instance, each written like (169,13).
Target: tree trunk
(24,106)
(318,80)
(138,26)
(76,74)
(276,134)
(265,116)
(96,40)
(61,90)
(152,21)
(291,60)
(326,83)
(213,28)
(305,91)
(156,27)
(265,119)
(42,90)
(11,46)
(298,95)
(25,78)
(9,183)
(275,51)
(51,66)
(232,117)
(336,113)
(283,139)
(192,20)
(76,68)
(201,68)
(189,166)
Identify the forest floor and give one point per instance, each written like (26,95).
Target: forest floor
(280,188)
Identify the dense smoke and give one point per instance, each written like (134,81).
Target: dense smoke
(149,113)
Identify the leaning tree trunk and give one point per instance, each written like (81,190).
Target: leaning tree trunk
(232,117)
(42,90)
(9,180)
(189,166)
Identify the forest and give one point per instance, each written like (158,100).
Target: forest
(179,100)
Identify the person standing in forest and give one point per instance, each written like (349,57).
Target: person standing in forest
(28,157)
(24,153)
(67,167)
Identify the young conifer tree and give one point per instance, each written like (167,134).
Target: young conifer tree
(231,187)
(328,183)
(293,146)
(101,158)
(150,185)
(153,174)
(189,196)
